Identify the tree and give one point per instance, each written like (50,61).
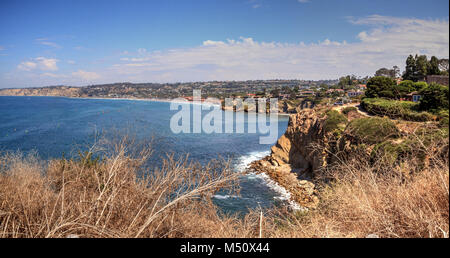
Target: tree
(384,72)
(396,71)
(347,81)
(422,65)
(443,66)
(275,93)
(410,68)
(286,90)
(433,67)
(292,95)
(434,97)
(392,73)
(380,87)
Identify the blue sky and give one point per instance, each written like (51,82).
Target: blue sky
(85,42)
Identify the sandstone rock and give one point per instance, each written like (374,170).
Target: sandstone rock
(295,153)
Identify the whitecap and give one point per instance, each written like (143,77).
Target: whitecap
(244,161)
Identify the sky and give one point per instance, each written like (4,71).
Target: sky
(81,42)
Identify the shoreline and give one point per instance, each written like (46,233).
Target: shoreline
(129,99)
(209,103)
(245,166)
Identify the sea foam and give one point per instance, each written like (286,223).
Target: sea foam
(284,194)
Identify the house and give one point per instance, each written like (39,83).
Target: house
(413,96)
(362,86)
(340,91)
(354,93)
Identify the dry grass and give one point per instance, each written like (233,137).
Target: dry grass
(90,198)
(389,201)
(106,198)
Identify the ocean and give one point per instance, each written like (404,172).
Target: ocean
(56,126)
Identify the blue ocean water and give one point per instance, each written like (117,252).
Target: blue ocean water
(52,126)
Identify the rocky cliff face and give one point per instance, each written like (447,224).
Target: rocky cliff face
(296,157)
(297,146)
(62,91)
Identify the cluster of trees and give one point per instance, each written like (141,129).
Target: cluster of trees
(349,82)
(418,67)
(391,73)
(434,96)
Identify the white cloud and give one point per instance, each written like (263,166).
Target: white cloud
(388,43)
(86,76)
(39,63)
(71,62)
(303,1)
(27,66)
(53,75)
(47,64)
(46,42)
(51,44)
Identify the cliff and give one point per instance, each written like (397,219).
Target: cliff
(61,91)
(317,139)
(313,139)
(296,157)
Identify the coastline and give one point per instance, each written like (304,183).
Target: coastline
(284,195)
(205,102)
(130,99)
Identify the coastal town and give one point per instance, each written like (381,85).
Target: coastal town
(293,95)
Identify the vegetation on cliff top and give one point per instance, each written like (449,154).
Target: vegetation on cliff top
(371,130)
(334,121)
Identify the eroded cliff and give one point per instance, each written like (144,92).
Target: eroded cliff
(297,155)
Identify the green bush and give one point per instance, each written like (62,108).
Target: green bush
(390,152)
(403,89)
(443,118)
(420,86)
(434,98)
(371,130)
(333,120)
(348,110)
(406,110)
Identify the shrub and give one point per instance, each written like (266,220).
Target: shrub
(389,152)
(406,110)
(371,130)
(333,120)
(443,118)
(418,86)
(434,97)
(404,88)
(347,110)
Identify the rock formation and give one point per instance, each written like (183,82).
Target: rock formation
(297,156)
